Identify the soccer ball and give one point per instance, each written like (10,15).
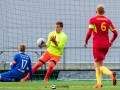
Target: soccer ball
(53,87)
(40,41)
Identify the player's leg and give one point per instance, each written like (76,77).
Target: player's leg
(98,75)
(42,60)
(99,64)
(49,70)
(99,61)
(34,69)
(97,70)
(53,61)
(105,70)
(7,77)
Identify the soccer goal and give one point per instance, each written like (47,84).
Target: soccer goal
(24,21)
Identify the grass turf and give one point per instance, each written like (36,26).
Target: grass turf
(60,85)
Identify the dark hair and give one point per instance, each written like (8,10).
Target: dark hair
(59,23)
(100,9)
(22,47)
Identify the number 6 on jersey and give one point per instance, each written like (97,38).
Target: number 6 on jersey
(103,27)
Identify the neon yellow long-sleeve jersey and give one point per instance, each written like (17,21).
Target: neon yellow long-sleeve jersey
(61,39)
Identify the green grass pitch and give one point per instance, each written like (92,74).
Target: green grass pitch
(60,85)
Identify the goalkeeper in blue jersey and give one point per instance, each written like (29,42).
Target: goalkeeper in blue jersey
(18,67)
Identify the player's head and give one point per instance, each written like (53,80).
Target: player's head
(21,48)
(59,26)
(100,9)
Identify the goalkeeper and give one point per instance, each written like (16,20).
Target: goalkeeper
(55,44)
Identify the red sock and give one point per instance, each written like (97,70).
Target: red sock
(49,71)
(36,66)
(34,69)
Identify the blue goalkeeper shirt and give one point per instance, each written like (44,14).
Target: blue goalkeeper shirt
(22,62)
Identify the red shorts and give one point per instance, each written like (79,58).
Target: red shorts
(47,56)
(99,53)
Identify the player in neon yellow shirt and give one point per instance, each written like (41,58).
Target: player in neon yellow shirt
(56,47)
(55,44)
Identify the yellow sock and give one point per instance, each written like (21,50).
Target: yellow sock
(105,70)
(98,76)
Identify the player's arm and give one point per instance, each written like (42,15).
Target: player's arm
(115,33)
(88,35)
(53,39)
(47,44)
(62,42)
(89,32)
(13,63)
(30,70)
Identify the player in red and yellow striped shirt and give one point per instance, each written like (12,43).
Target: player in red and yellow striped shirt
(99,27)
